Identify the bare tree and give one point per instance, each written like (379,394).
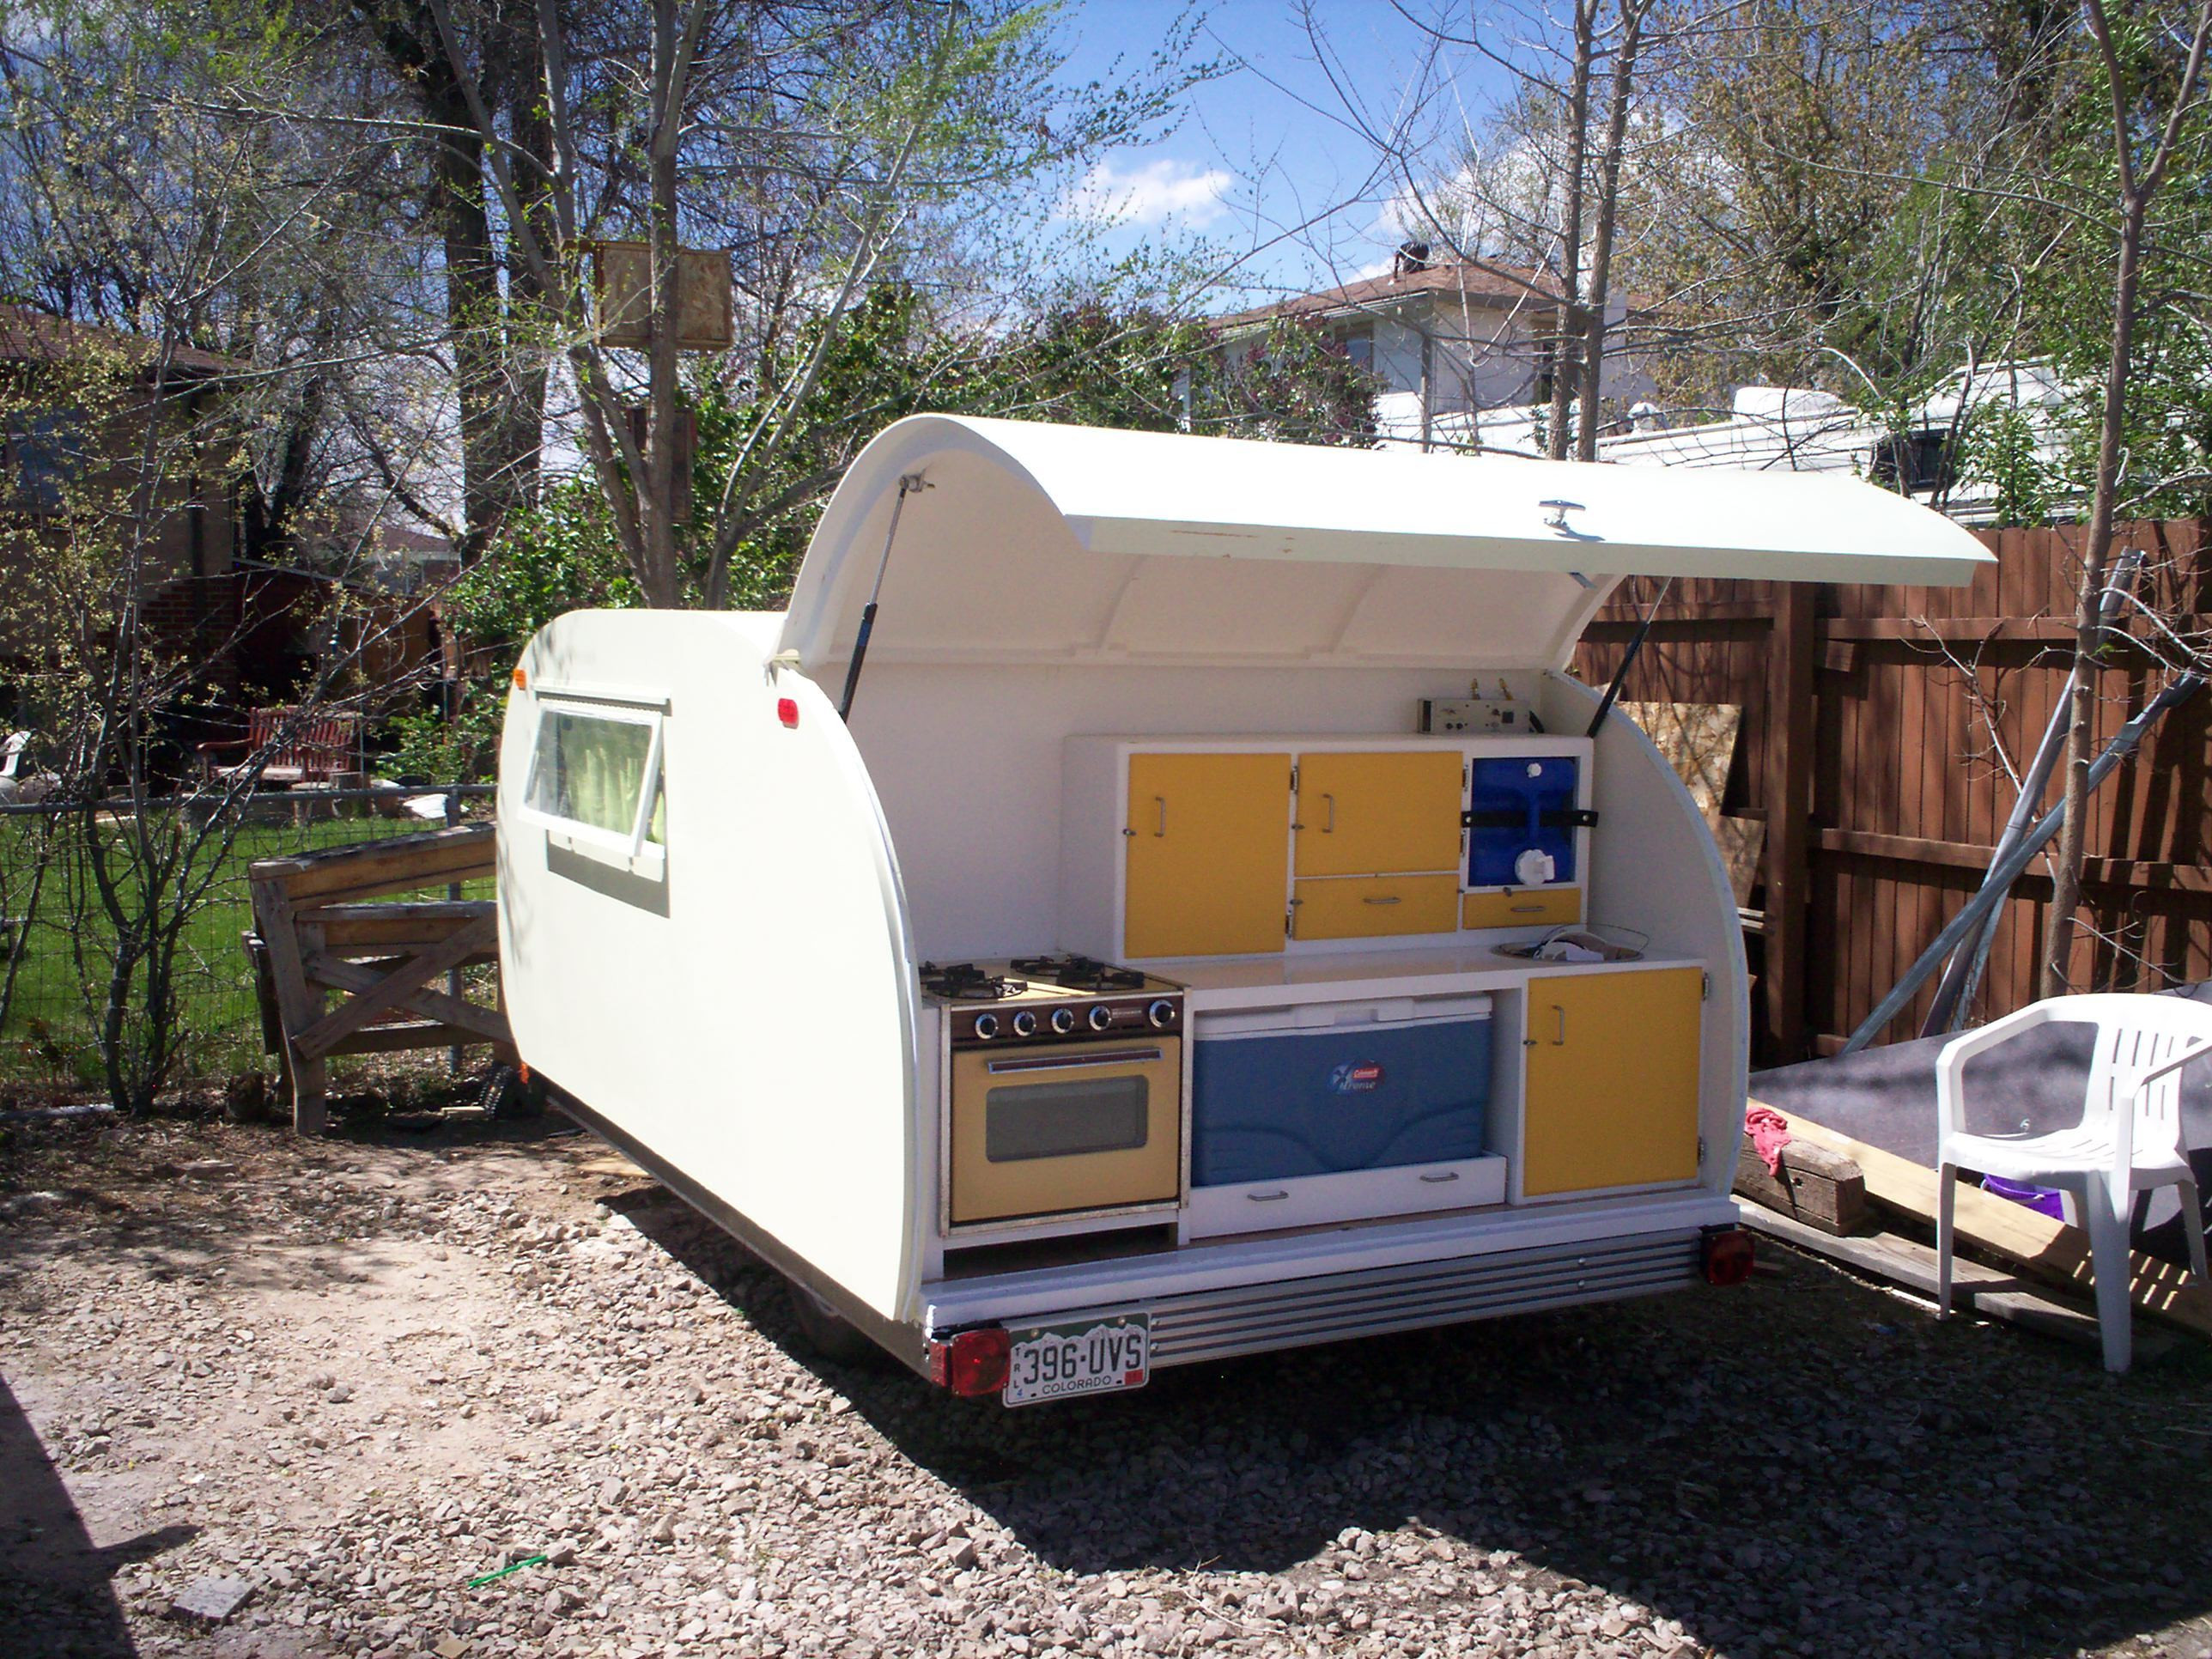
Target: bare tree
(2150,117)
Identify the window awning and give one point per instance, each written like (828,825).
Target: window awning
(1033,542)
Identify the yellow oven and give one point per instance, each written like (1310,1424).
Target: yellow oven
(1052,1130)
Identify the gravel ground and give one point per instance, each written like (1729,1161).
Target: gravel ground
(359,1372)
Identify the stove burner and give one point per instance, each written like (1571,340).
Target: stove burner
(966,982)
(1081,973)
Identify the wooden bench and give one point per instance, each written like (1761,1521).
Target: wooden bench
(290,745)
(314,935)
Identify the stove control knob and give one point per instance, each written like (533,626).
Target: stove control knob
(1063,1020)
(1101,1017)
(1162,1014)
(987,1026)
(1025,1023)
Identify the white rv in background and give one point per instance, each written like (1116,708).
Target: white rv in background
(1091,930)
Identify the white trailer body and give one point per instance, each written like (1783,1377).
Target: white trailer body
(717,895)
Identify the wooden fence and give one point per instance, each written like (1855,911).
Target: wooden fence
(1872,722)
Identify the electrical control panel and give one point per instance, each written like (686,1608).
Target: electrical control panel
(1475,717)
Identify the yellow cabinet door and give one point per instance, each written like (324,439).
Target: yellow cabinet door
(1612,1095)
(1374,906)
(1208,843)
(1378,814)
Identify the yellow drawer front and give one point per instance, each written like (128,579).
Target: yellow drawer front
(1529,907)
(1366,814)
(1208,840)
(1371,907)
(1612,1095)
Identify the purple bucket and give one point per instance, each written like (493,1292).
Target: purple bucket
(2042,1199)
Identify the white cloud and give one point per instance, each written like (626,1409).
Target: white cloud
(1152,194)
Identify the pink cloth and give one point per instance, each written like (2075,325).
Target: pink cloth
(1770,1133)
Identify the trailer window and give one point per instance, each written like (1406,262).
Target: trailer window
(594,770)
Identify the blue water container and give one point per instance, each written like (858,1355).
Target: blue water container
(1515,803)
(1282,1095)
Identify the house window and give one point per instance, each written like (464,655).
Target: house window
(596,778)
(43,452)
(1360,348)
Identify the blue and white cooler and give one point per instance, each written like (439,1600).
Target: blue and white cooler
(1339,1111)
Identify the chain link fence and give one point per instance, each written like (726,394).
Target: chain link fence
(58,944)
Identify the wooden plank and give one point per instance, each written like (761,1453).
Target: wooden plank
(393,865)
(1959,630)
(1910,1265)
(489,1022)
(297,1005)
(1819,1188)
(1789,804)
(415,1033)
(1741,840)
(2049,1248)
(404,910)
(1698,739)
(391,989)
(2155,875)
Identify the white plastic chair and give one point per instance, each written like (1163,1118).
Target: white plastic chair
(2128,1141)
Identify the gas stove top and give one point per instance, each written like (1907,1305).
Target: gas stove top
(1050,998)
(1035,978)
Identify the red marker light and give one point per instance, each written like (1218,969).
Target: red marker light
(787,710)
(1729,1255)
(972,1362)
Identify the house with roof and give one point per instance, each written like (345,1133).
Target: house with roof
(76,404)
(1463,350)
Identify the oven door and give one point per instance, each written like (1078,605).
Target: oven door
(1050,1131)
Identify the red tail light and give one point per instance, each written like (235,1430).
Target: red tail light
(1729,1255)
(787,710)
(972,1362)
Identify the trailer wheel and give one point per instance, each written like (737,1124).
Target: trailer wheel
(825,1331)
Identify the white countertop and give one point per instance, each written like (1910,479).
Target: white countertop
(1263,981)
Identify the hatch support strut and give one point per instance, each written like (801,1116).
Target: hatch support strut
(912,482)
(1628,658)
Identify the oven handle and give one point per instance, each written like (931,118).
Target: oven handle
(1116,1057)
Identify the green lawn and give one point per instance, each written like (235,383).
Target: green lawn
(47,1038)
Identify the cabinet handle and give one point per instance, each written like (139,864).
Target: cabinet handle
(1266,1198)
(1159,816)
(1434,1180)
(1329,829)
(1559,1013)
(1526,909)
(1377,898)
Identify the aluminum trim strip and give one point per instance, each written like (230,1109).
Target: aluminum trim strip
(1326,1308)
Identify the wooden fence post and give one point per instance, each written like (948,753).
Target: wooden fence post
(1791,733)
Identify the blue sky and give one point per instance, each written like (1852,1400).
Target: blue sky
(1266,162)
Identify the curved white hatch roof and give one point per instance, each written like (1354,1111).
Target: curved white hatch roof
(1039,543)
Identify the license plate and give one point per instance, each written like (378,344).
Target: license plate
(1054,1362)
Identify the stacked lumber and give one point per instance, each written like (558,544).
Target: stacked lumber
(2046,1248)
(323,928)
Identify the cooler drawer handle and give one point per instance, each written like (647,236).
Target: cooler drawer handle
(1437,1180)
(1528,909)
(1266,1198)
(1377,898)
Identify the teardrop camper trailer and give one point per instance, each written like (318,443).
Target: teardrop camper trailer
(1138,972)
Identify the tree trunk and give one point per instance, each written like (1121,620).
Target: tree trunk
(2088,622)
(532,322)
(657,505)
(1609,198)
(1567,333)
